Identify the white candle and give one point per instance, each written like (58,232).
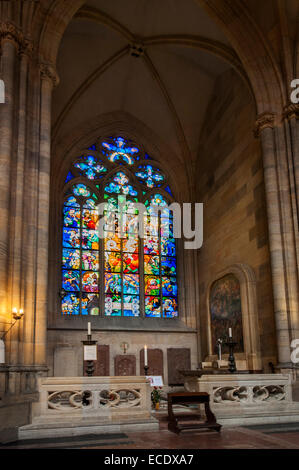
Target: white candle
(230,334)
(89,328)
(145,355)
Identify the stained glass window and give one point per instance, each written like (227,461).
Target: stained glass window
(118,273)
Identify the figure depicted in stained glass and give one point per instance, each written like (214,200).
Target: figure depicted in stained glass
(70,280)
(90,281)
(170,307)
(90,260)
(71,238)
(152,306)
(90,240)
(121,253)
(131,284)
(112,262)
(119,151)
(91,167)
(112,283)
(152,285)
(71,217)
(130,263)
(70,304)
(71,259)
(150,176)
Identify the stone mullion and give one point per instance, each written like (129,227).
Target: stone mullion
(8,60)
(47,78)
(275,239)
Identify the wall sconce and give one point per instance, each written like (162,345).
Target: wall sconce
(17,315)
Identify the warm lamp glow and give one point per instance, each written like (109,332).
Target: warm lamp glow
(17,314)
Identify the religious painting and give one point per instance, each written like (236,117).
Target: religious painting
(226,312)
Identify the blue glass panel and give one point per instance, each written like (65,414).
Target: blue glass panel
(70,259)
(71,238)
(119,185)
(168,266)
(71,201)
(131,306)
(70,304)
(131,284)
(167,188)
(81,190)
(168,247)
(152,306)
(71,217)
(169,286)
(69,177)
(170,307)
(119,150)
(71,280)
(150,176)
(93,147)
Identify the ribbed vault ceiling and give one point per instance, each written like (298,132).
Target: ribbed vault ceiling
(168,87)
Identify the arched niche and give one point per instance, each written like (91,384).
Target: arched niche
(251,339)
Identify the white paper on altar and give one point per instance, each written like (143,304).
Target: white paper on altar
(90,352)
(155,380)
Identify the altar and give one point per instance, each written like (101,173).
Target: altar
(246,399)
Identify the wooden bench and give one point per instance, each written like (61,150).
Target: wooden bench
(190,421)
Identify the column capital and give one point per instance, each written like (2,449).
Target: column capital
(291,111)
(9,32)
(48,72)
(264,121)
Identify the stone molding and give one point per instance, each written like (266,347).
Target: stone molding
(291,111)
(9,32)
(264,121)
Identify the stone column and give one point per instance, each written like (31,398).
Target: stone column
(48,79)
(8,64)
(281,241)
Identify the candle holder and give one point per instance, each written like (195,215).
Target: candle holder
(90,363)
(145,370)
(231,358)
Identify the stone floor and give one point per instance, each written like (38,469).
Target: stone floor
(258,437)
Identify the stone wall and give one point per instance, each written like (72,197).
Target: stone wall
(231,186)
(67,340)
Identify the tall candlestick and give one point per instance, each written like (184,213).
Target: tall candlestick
(145,355)
(89,328)
(230,334)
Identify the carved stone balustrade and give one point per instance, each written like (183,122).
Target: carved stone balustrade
(82,405)
(238,399)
